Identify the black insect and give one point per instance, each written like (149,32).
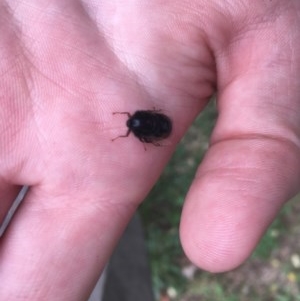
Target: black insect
(148,126)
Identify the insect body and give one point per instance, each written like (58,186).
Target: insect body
(148,126)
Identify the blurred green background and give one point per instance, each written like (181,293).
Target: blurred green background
(271,274)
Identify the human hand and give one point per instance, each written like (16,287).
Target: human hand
(67,66)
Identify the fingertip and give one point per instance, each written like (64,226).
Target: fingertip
(238,191)
(223,219)
(214,243)
(214,250)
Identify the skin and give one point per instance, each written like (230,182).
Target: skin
(65,66)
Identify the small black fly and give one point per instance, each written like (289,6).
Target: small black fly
(148,126)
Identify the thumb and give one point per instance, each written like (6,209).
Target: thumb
(253,164)
(236,194)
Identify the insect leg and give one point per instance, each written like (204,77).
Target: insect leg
(156,143)
(148,140)
(156,110)
(126,113)
(122,136)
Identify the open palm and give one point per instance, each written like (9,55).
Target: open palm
(66,66)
